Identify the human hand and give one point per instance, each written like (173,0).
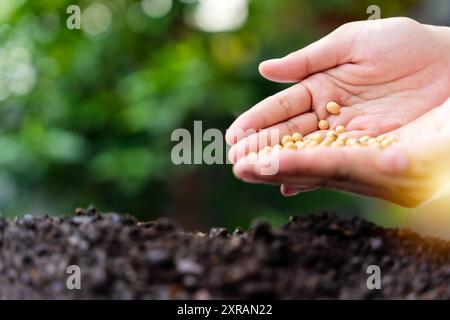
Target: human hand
(385,73)
(408,172)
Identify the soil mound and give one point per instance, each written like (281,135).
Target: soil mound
(319,256)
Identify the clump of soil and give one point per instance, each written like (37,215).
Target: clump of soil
(319,256)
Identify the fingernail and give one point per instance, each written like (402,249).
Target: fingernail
(289,191)
(291,194)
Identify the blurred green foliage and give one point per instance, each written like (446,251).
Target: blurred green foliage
(87,119)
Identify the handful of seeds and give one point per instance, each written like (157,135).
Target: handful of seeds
(332,138)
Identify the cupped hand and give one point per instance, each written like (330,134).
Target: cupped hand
(384,73)
(408,173)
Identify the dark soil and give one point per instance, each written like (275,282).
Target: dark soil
(318,256)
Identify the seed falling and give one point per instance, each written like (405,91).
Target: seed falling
(323,125)
(333,107)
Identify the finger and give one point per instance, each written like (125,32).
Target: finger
(380,173)
(304,124)
(328,52)
(277,108)
(293,183)
(316,165)
(364,166)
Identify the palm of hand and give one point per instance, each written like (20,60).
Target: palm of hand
(393,78)
(367,171)
(385,77)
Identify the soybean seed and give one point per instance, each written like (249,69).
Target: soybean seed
(387,142)
(391,139)
(340,129)
(331,139)
(323,125)
(286,139)
(364,140)
(333,107)
(337,144)
(312,143)
(290,146)
(297,137)
(316,137)
(300,145)
(332,135)
(352,142)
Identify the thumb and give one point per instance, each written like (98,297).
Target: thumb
(328,52)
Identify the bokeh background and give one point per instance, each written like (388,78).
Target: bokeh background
(86,115)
